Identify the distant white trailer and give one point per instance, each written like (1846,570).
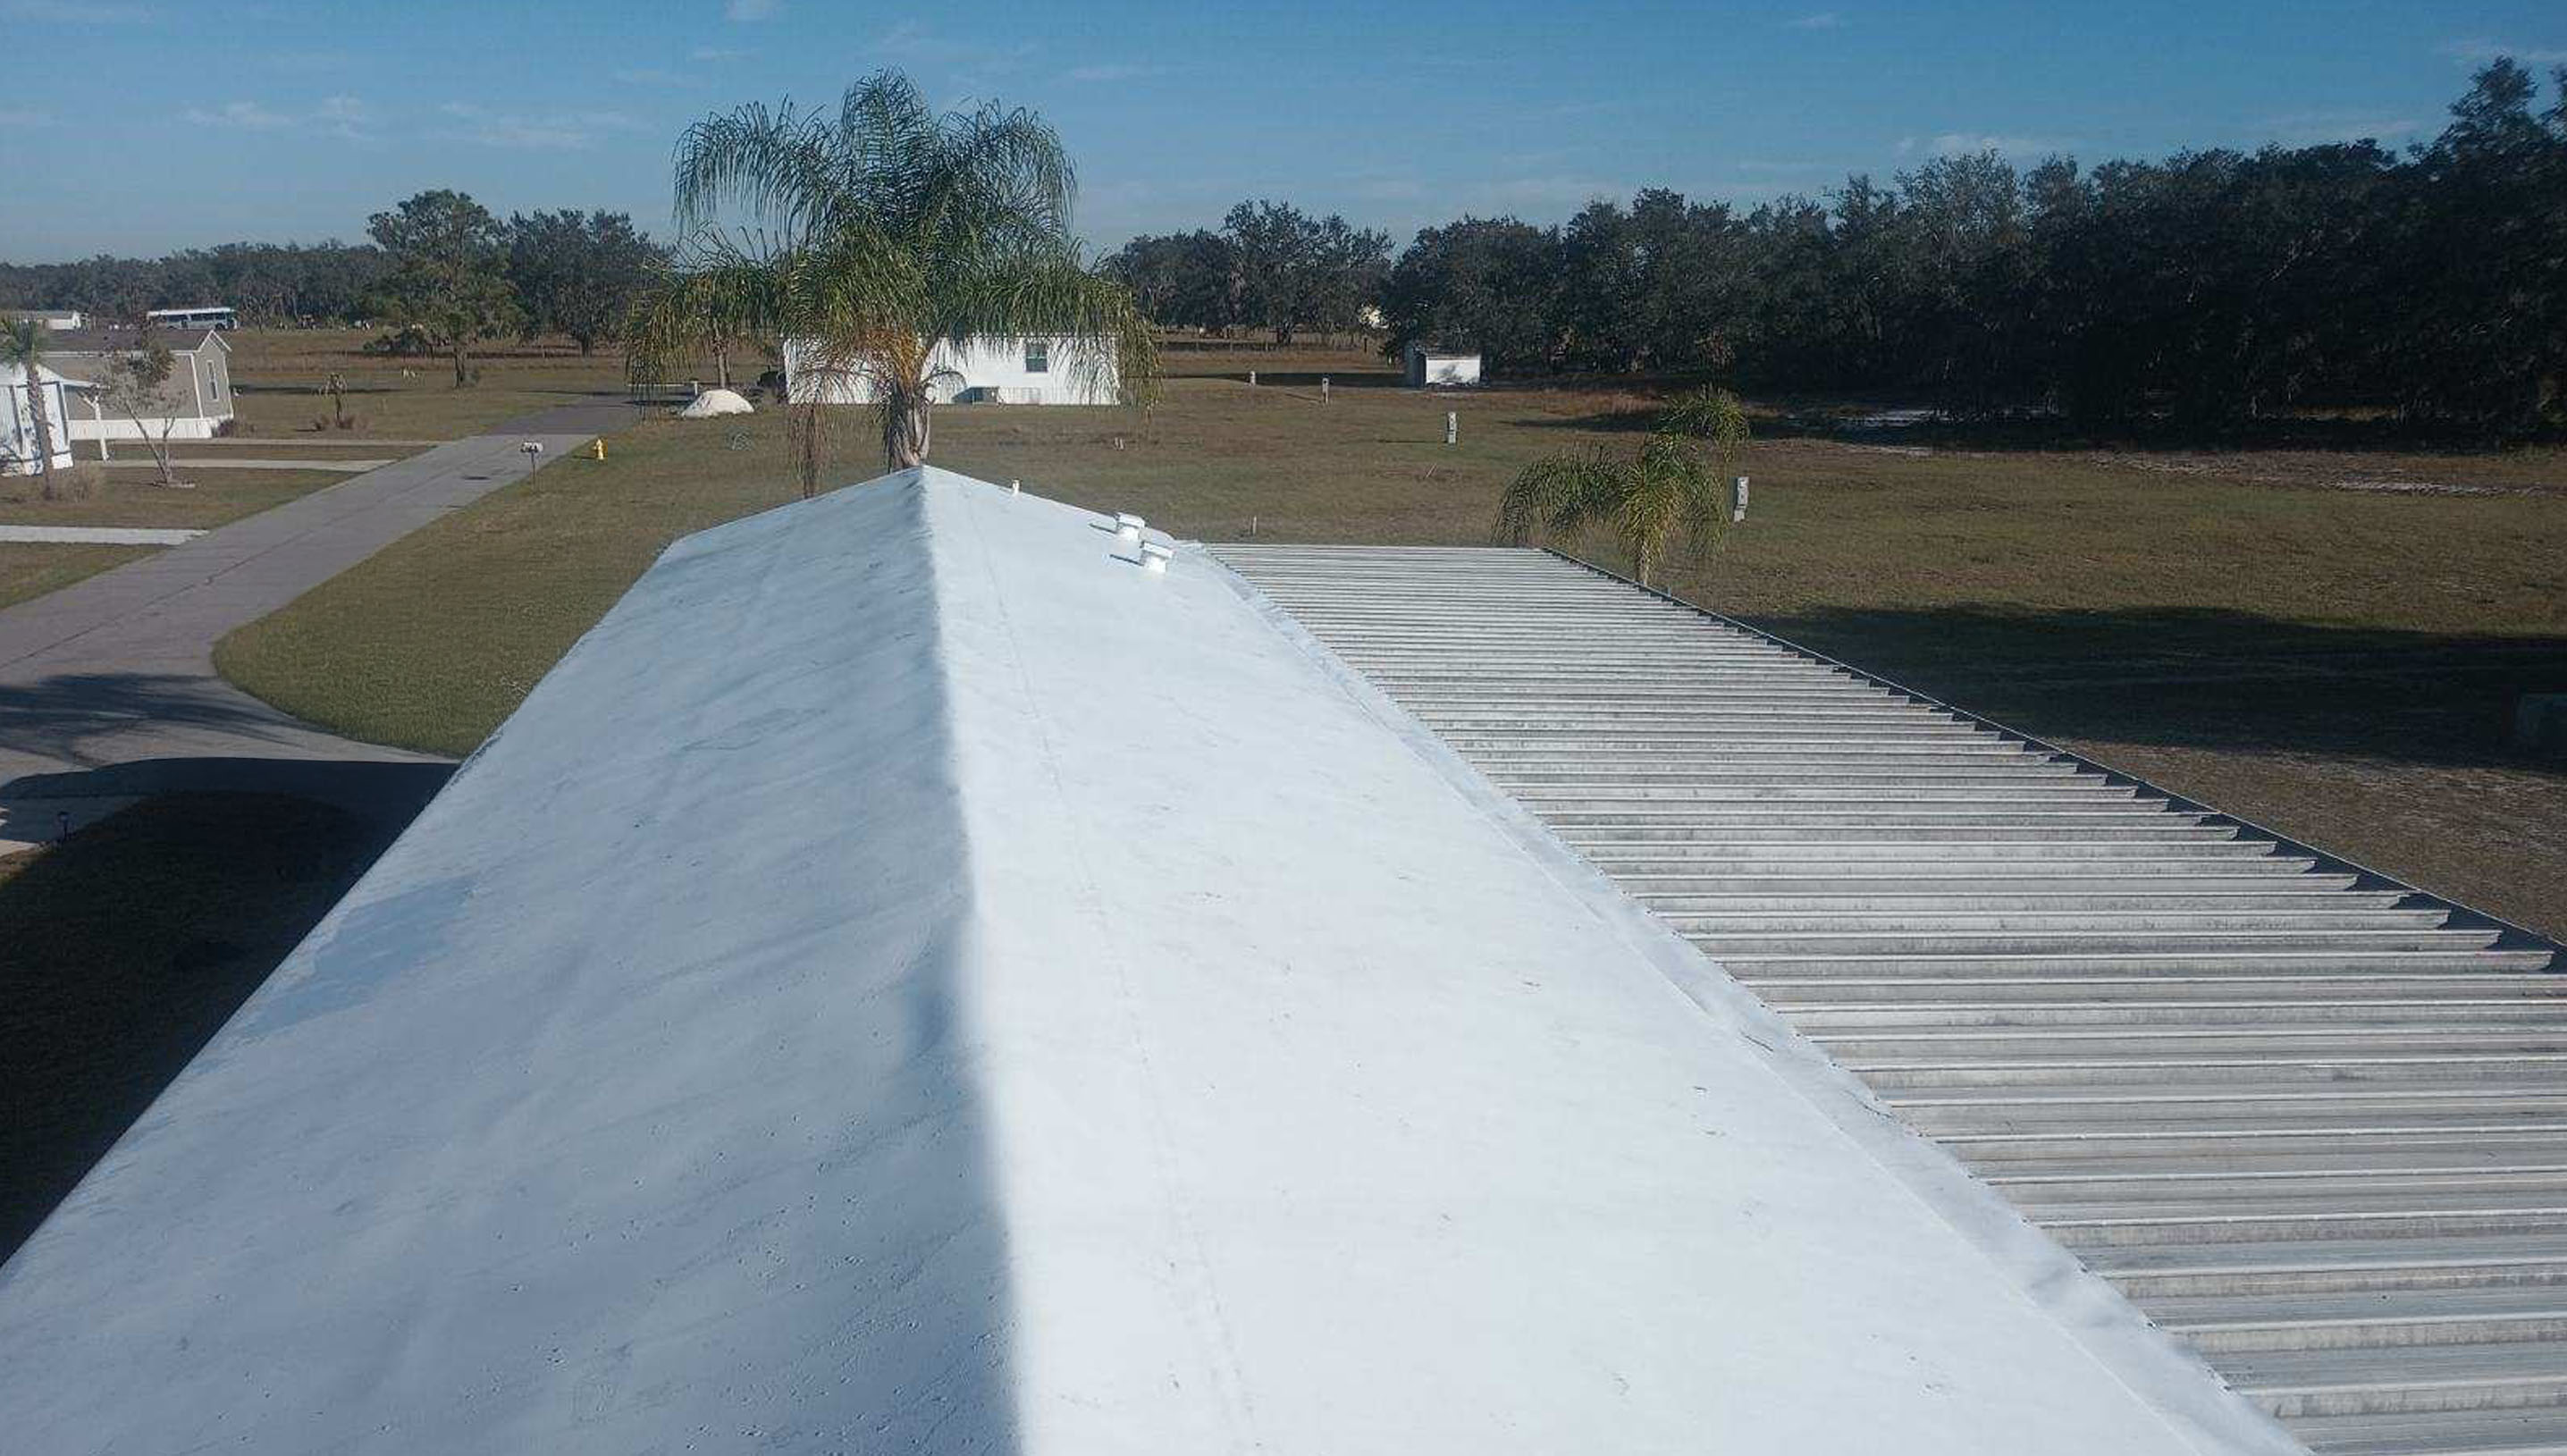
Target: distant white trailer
(1433,368)
(1058,369)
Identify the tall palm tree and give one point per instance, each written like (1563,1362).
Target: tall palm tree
(873,235)
(23,343)
(1661,500)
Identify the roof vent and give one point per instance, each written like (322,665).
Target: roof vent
(1127,528)
(1154,557)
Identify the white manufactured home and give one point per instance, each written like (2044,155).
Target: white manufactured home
(1056,369)
(1430,366)
(195,404)
(51,318)
(18,405)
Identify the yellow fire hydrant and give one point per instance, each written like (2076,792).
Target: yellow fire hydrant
(597,449)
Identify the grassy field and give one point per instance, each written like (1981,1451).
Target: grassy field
(96,498)
(277,375)
(129,944)
(31,571)
(2325,641)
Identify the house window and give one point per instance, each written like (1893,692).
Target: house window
(1037,356)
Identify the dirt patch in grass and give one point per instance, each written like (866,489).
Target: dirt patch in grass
(128,946)
(2337,664)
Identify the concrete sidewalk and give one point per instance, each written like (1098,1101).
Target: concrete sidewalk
(108,687)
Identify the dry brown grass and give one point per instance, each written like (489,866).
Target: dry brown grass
(278,375)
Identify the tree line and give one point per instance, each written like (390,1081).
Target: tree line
(437,263)
(2208,290)
(1270,266)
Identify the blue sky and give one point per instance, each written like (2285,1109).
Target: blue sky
(179,122)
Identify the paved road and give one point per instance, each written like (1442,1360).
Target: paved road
(108,687)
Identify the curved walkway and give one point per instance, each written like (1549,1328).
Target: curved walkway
(108,689)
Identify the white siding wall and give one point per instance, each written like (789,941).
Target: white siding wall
(18,422)
(1431,369)
(87,425)
(989,368)
(198,395)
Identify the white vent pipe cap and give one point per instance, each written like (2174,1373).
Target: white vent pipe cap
(1154,557)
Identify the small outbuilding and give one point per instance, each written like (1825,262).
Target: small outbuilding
(1436,367)
(18,405)
(194,405)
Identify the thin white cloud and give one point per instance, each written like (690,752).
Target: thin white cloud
(77,12)
(242,115)
(749,9)
(551,131)
(2478,52)
(1971,144)
(2311,129)
(1551,192)
(1390,189)
(1093,74)
(1756,164)
(654,76)
(344,116)
(973,63)
(1822,20)
(716,53)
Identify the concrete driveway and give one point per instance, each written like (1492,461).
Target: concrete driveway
(107,688)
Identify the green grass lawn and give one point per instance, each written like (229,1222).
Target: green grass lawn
(2268,631)
(129,944)
(31,571)
(97,497)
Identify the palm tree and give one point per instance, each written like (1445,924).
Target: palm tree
(23,343)
(873,236)
(1660,500)
(1711,413)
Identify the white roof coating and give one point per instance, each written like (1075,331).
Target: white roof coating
(911,980)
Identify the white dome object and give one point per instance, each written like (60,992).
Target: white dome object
(715,402)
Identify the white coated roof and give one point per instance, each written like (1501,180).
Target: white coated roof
(912,981)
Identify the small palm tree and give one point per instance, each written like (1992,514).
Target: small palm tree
(23,342)
(876,234)
(1661,500)
(1711,413)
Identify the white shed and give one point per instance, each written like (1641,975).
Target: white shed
(18,420)
(1431,367)
(1057,368)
